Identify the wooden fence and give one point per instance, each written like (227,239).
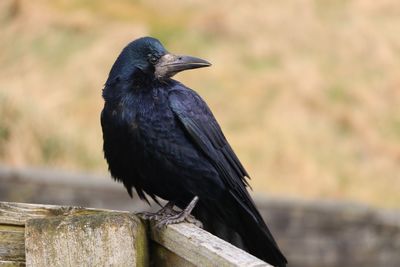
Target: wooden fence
(310,233)
(46,235)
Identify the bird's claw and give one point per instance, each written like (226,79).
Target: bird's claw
(184,215)
(193,220)
(166,211)
(150,215)
(167,215)
(178,218)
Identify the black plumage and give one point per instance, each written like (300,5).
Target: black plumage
(161,139)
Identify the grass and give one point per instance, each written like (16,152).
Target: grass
(306,91)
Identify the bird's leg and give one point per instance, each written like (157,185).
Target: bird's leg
(184,215)
(167,210)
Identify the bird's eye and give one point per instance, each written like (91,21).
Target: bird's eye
(153,59)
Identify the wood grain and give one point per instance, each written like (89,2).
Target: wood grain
(12,243)
(18,213)
(103,239)
(201,248)
(46,235)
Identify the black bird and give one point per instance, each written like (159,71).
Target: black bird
(161,138)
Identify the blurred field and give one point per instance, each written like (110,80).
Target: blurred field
(306,91)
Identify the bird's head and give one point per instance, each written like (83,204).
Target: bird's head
(149,56)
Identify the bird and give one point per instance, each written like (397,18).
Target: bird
(161,139)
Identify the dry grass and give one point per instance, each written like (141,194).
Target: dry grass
(306,91)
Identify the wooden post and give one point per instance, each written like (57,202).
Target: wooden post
(102,239)
(12,249)
(45,235)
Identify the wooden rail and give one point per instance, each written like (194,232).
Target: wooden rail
(46,235)
(310,233)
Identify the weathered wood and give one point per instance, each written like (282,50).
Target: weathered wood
(81,234)
(160,256)
(202,248)
(71,236)
(102,239)
(18,213)
(11,264)
(311,233)
(12,243)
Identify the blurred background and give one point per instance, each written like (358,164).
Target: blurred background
(306,91)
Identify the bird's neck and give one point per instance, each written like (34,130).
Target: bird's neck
(135,87)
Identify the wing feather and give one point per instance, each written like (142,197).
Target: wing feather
(203,129)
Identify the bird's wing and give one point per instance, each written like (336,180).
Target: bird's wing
(204,131)
(199,122)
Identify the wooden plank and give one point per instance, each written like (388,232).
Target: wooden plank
(17,213)
(11,264)
(102,239)
(12,243)
(160,256)
(201,248)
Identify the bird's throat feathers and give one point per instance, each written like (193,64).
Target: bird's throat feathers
(136,86)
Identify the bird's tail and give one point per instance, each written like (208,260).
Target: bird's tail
(238,224)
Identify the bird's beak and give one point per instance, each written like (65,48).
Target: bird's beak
(169,65)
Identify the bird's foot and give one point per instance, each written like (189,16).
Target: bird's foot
(182,216)
(167,210)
